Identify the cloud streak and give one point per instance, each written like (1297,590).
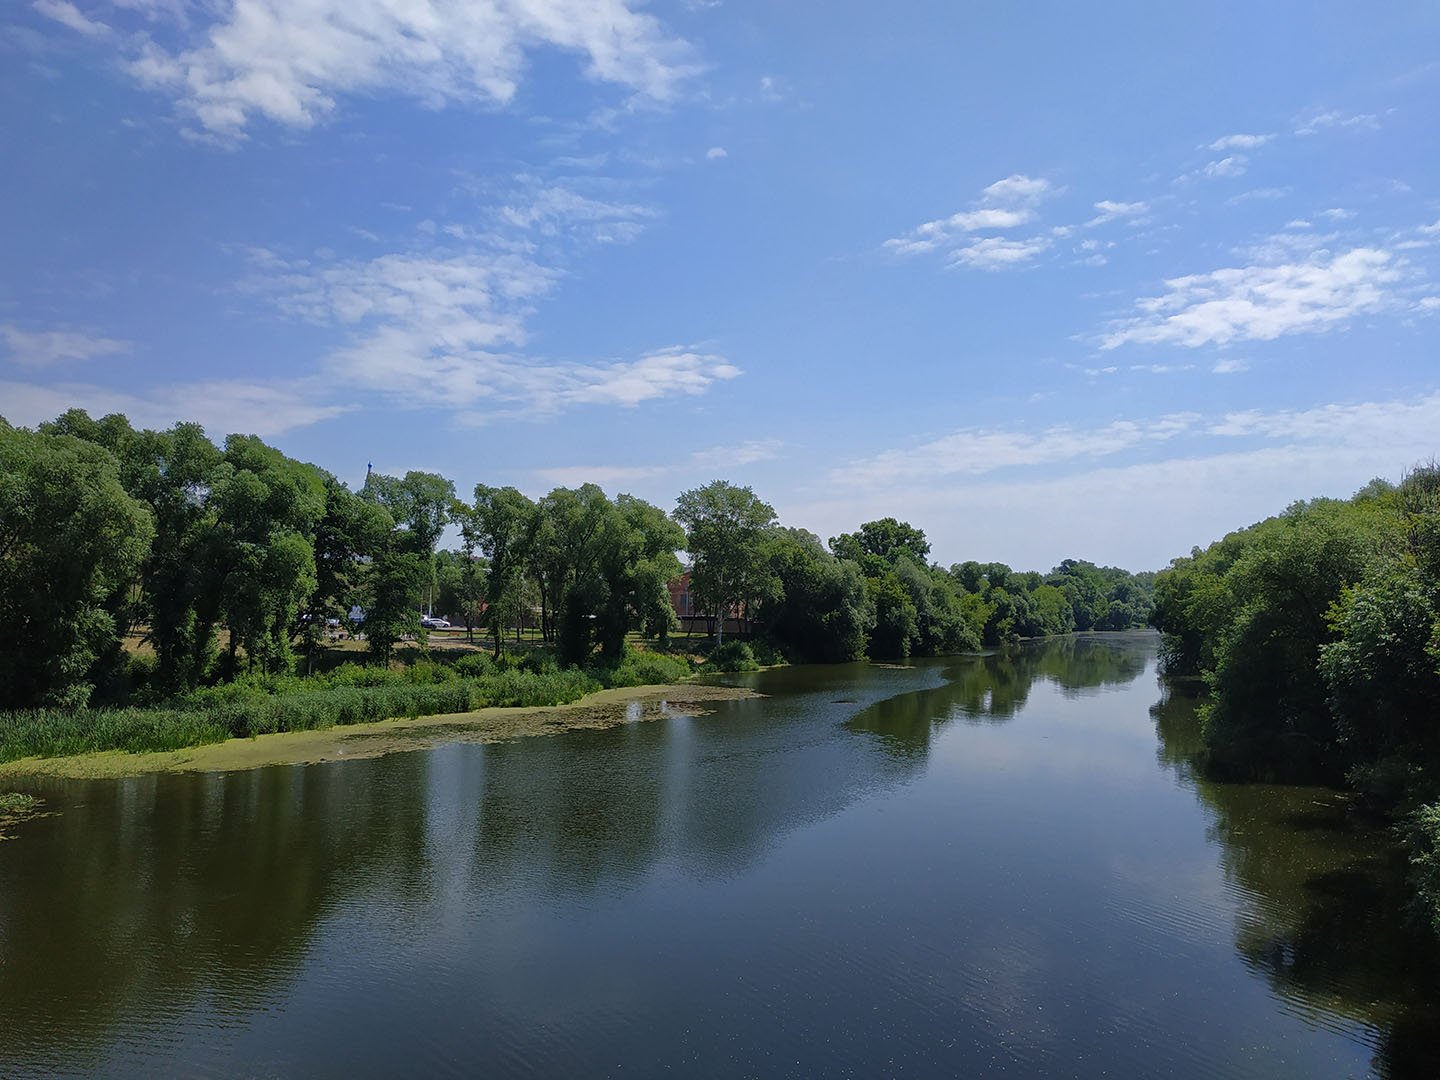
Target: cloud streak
(46,347)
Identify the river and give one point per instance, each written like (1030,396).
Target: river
(999,865)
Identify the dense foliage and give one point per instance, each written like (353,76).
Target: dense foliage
(1318,632)
(233,561)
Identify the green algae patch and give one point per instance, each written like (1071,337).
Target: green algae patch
(16,807)
(603,709)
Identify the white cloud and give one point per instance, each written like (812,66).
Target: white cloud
(1263,302)
(994,253)
(1234,165)
(1314,123)
(1005,204)
(1260,194)
(39,348)
(67,14)
(289,60)
(733,456)
(1229,366)
(715,153)
(977,451)
(556,208)
(1240,142)
(1430,230)
(1016,189)
(220,406)
(1110,211)
(1337,213)
(438,332)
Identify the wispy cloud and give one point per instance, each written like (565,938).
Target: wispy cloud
(1314,123)
(67,14)
(995,253)
(1229,366)
(44,347)
(1264,194)
(290,62)
(1240,142)
(1114,211)
(1263,302)
(220,406)
(974,452)
(1005,204)
(551,209)
(715,153)
(1234,165)
(1222,473)
(716,459)
(977,451)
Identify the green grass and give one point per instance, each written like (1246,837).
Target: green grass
(348,694)
(286,704)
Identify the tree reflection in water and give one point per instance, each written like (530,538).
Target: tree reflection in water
(1322,901)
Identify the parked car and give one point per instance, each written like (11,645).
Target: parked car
(433,622)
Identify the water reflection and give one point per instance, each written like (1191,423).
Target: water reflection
(201,896)
(811,877)
(1321,891)
(992,688)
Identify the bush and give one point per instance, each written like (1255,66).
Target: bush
(732,656)
(474,665)
(645,669)
(1422,835)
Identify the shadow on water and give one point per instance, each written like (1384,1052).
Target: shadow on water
(993,687)
(151,899)
(1322,897)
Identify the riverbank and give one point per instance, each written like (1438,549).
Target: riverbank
(599,710)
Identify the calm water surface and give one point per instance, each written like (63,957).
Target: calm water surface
(993,865)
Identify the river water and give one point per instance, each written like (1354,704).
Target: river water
(998,865)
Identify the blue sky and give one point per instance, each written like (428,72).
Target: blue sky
(1102,281)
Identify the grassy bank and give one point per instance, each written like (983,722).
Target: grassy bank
(351,694)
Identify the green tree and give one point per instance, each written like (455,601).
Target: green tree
(71,541)
(725,529)
(266,507)
(821,612)
(499,524)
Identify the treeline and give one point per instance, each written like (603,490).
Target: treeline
(1318,633)
(232,559)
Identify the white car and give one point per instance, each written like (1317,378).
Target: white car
(431,622)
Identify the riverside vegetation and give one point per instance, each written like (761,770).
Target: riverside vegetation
(1317,633)
(231,561)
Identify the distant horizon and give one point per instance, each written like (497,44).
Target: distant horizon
(1103,284)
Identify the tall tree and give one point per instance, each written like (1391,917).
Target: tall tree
(499,524)
(71,540)
(725,528)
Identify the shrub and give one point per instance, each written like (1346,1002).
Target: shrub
(645,669)
(732,656)
(474,665)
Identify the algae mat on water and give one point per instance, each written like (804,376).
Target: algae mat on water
(604,709)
